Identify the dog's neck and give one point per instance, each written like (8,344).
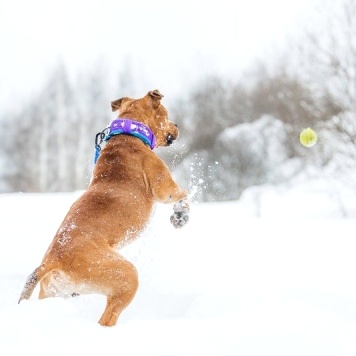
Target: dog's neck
(127,127)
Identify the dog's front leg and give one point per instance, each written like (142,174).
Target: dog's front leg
(165,190)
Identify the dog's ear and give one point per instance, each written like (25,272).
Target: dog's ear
(116,104)
(156,97)
(155,94)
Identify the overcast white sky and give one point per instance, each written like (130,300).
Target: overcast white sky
(168,42)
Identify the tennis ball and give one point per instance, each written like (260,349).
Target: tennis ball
(308,137)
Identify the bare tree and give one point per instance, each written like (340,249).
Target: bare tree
(92,115)
(327,58)
(327,53)
(20,148)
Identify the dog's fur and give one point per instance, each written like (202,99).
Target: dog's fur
(128,179)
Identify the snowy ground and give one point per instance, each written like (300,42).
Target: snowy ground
(271,274)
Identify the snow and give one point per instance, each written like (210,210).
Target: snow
(270,274)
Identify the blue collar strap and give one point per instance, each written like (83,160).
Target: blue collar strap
(128,127)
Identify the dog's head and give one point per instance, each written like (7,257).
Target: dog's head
(150,112)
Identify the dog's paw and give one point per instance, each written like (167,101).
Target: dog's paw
(181,213)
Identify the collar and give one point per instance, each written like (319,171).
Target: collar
(131,127)
(127,127)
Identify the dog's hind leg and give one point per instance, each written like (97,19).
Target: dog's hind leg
(48,289)
(111,275)
(57,284)
(123,287)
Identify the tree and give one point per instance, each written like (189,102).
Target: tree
(92,115)
(327,53)
(327,62)
(208,113)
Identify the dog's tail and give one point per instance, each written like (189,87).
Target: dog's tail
(32,281)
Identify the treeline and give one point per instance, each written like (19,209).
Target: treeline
(236,137)
(48,141)
(234,133)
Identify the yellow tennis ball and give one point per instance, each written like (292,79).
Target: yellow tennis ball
(308,137)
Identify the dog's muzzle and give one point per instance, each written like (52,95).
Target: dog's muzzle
(169,139)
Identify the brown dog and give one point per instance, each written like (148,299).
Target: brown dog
(128,179)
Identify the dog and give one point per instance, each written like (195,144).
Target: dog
(127,181)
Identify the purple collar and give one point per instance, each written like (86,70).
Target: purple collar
(131,127)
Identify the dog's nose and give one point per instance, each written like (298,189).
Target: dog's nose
(169,139)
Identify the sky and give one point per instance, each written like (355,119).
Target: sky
(271,274)
(169,44)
